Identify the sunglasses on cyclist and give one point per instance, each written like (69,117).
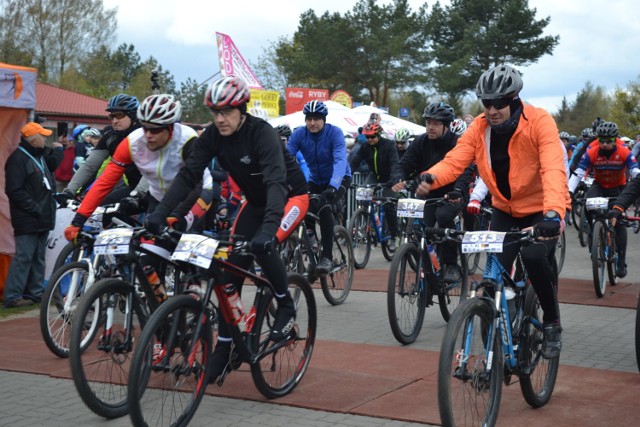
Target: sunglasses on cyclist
(371,136)
(117,115)
(154,130)
(606,140)
(498,104)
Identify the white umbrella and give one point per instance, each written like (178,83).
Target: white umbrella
(349,120)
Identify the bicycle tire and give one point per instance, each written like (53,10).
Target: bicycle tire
(561,249)
(167,390)
(387,253)
(100,373)
(576,214)
(467,394)
(583,229)
(537,374)
(611,256)
(638,333)
(598,261)
(68,253)
(406,294)
(280,366)
(450,295)
(337,284)
(55,322)
(358,227)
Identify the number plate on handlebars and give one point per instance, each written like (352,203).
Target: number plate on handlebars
(483,241)
(364,194)
(411,208)
(195,249)
(114,241)
(596,203)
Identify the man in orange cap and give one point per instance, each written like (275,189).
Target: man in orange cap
(30,185)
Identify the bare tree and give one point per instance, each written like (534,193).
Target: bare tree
(53,34)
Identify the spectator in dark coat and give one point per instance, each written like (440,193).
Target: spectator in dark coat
(30,186)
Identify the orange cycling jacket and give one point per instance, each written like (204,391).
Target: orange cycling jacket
(537,175)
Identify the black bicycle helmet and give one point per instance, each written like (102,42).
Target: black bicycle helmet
(123,102)
(502,81)
(284,130)
(607,130)
(439,111)
(597,122)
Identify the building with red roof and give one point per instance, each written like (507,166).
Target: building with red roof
(63,109)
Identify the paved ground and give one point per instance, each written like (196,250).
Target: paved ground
(360,376)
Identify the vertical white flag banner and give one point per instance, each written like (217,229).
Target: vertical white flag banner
(232,63)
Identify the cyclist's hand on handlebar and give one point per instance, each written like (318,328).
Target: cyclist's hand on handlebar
(262,243)
(398,186)
(155,222)
(453,196)
(614,214)
(549,227)
(329,194)
(473,207)
(71,233)
(63,197)
(177,223)
(426,180)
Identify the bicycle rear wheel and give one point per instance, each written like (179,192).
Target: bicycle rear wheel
(598,259)
(537,374)
(450,295)
(406,294)
(55,319)
(469,390)
(337,284)
(358,228)
(170,365)
(101,345)
(279,367)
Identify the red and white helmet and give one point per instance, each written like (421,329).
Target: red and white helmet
(227,92)
(160,110)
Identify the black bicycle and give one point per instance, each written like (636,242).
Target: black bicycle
(415,278)
(171,359)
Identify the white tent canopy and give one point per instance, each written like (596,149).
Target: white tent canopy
(349,120)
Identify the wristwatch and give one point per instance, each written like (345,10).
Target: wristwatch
(552,215)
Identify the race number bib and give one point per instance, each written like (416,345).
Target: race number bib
(114,241)
(483,241)
(411,208)
(195,249)
(364,194)
(596,203)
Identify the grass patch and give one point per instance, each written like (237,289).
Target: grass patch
(7,312)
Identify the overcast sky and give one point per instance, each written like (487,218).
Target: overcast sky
(599,40)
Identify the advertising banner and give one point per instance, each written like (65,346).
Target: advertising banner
(297,97)
(266,100)
(232,63)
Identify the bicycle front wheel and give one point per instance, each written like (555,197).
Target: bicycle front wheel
(561,249)
(537,374)
(638,333)
(469,382)
(583,228)
(387,252)
(358,227)
(279,367)
(104,331)
(406,296)
(337,284)
(170,365)
(450,295)
(598,259)
(59,303)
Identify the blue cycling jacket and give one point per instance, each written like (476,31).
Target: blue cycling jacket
(325,153)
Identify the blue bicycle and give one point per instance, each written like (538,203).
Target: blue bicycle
(368,225)
(494,335)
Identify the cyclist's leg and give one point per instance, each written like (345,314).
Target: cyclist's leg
(445,215)
(391,213)
(594,191)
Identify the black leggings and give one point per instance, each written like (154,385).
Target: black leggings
(538,259)
(325,213)
(621,230)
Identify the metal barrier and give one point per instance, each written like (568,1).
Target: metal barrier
(357,179)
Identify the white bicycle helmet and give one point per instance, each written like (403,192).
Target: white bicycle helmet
(458,126)
(159,110)
(402,136)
